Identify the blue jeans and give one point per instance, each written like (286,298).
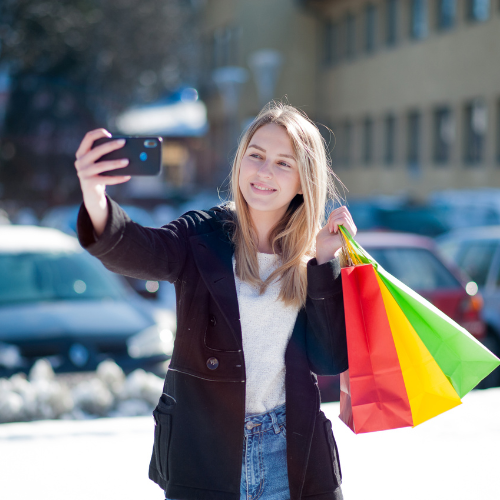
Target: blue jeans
(264,472)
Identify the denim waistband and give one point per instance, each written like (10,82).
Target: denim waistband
(262,422)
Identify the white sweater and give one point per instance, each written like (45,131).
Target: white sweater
(266,325)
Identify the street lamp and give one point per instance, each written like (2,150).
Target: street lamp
(265,65)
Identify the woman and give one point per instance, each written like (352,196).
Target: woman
(259,314)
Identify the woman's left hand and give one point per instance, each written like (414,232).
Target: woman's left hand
(328,241)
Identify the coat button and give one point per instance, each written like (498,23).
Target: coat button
(212,320)
(212,363)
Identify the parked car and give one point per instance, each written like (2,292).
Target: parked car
(459,207)
(414,260)
(398,213)
(60,303)
(477,252)
(64,219)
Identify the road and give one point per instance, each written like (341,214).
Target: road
(454,456)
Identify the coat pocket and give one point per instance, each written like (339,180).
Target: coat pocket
(334,452)
(163,425)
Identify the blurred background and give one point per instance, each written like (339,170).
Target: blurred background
(405,92)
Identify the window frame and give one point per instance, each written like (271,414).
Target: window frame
(370,28)
(331,44)
(347,138)
(440,24)
(413,149)
(472,15)
(390,145)
(415,34)
(497,132)
(437,140)
(471,157)
(368,142)
(391,23)
(350,36)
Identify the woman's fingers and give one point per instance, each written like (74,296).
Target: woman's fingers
(115,179)
(88,140)
(102,166)
(341,216)
(93,155)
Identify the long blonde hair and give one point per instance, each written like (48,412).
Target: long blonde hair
(294,236)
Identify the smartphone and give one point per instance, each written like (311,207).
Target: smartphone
(143,153)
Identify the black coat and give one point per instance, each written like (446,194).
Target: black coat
(199,419)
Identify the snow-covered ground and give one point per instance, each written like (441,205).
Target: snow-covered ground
(452,457)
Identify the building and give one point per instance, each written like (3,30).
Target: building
(247,42)
(410,88)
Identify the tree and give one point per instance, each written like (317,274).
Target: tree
(74,65)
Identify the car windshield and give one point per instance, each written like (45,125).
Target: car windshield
(33,277)
(417,268)
(475,258)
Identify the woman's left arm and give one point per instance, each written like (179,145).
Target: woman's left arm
(326,333)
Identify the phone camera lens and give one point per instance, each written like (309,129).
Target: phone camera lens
(143,156)
(149,143)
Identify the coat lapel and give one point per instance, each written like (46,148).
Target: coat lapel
(213,254)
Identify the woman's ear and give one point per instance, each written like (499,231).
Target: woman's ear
(300,191)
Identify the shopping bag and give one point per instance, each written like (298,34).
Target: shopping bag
(408,361)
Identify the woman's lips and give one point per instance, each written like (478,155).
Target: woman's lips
(262,191)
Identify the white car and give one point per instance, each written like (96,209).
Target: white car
(60,303)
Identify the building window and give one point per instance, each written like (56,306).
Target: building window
(418,23)
(498,133)
(331,43)
(350,36)
(367,141)
(413,151)
(389,143)
(334,145)
(370,27)
(476,124)
(478,10)
(391,21)
(444,134)
(446,13)
(346,139)
(224,47)
(327,133)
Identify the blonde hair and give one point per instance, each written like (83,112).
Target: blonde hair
(294,236)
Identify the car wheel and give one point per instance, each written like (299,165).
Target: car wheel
(492,343)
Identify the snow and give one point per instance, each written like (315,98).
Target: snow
(453,456)
(105,392)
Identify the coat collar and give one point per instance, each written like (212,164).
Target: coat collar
(213,253)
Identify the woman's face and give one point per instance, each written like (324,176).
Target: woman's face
(269,176)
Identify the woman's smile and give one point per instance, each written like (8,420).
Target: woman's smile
(269,176)
(260,188)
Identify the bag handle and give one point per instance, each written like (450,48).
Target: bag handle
(354,253)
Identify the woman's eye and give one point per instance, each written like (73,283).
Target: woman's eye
(283,164)
(255,155)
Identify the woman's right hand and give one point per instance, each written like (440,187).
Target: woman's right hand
(92,184)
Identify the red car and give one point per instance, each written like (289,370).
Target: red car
(414,260)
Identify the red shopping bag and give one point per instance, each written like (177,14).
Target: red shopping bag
(373,395)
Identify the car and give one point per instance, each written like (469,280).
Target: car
(476,251)
(415,261)
(64,218)
(60,303)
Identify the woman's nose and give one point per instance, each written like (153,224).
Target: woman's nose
(265,170)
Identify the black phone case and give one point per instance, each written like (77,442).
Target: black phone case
(144,158)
